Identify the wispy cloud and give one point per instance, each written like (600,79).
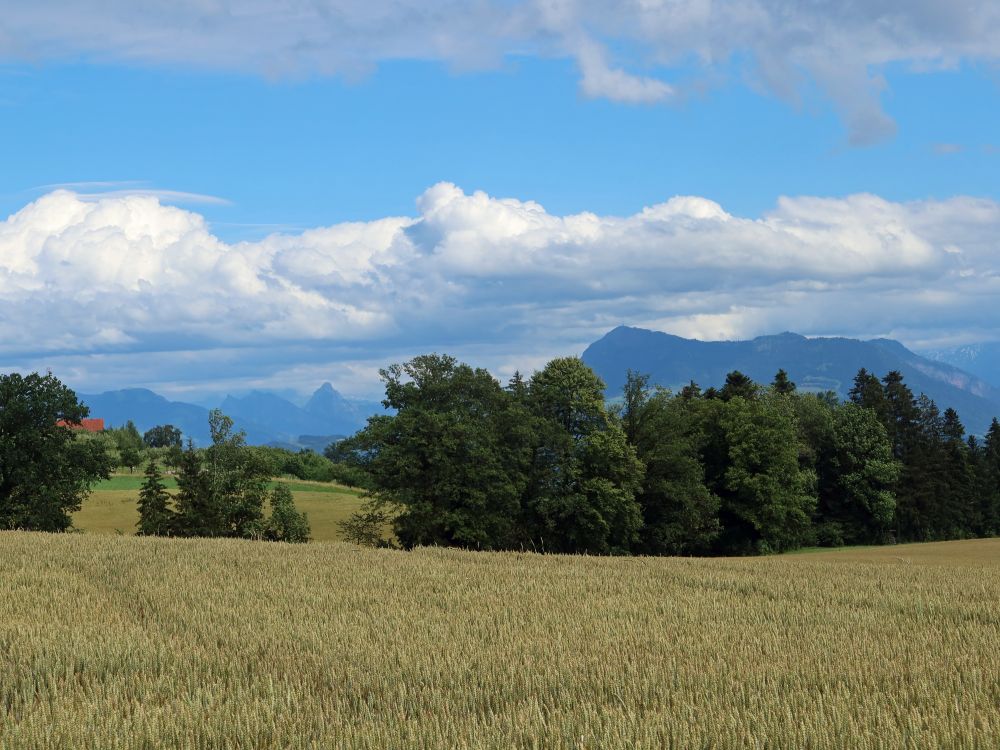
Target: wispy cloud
(91,190)
(946,149)
(178,197)
(89,185)
(840,48)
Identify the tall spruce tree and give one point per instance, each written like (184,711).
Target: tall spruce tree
(155,516)
(197,511)
(958,509)
(782,384)
(739,385)
(990,482)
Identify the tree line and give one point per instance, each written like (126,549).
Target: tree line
(543,463)
(221,492)
(47,469)
(128,449)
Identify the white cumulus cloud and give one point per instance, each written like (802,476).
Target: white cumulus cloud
(125,284)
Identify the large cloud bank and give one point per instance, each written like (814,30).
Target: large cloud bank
(627,51)
(126,288)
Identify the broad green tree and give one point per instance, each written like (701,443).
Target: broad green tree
(238,477)
(45,470)
(767,497)
(162,436)
(222,489)
(857,502)
(584,473)
(449,466)
(286,523)
(129,457)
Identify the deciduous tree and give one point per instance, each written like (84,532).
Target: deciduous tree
(45,471)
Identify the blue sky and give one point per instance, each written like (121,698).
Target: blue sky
(206,197)
(294,153)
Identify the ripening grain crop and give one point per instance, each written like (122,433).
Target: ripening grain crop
(117,642)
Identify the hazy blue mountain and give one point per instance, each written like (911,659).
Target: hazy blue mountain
(982,360)
(816,364)
(274,415)
(337,414)
(147,409)
(267,419)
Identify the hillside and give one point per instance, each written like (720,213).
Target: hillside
(146,642)
(817,364)
(982,360)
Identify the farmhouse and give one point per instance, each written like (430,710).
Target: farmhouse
(85,425)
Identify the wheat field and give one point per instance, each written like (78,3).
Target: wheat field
(122,642)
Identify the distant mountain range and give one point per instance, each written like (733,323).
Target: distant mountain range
(982,360)
(964,378)
(266,418)
(816,364)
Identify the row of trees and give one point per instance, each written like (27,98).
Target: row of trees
(543,464)
(46,470)
(222,491)
(127,449)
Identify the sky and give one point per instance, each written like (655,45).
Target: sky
(207,197)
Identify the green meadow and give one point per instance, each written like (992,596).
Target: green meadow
(111,506)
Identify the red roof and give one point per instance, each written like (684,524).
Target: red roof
(87,425)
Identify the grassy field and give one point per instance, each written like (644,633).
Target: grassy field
(111,507)
(116,642)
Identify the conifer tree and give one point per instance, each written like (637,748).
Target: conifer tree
(197,511)
(959,509)
(738,385)
(990,482)
(781,384)
(691,391)
(155,515)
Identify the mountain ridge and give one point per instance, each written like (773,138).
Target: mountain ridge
(816,364)
(267,418)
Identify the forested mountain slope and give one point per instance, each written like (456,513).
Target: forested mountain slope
(818,364)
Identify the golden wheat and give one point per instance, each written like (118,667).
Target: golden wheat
(116,642)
